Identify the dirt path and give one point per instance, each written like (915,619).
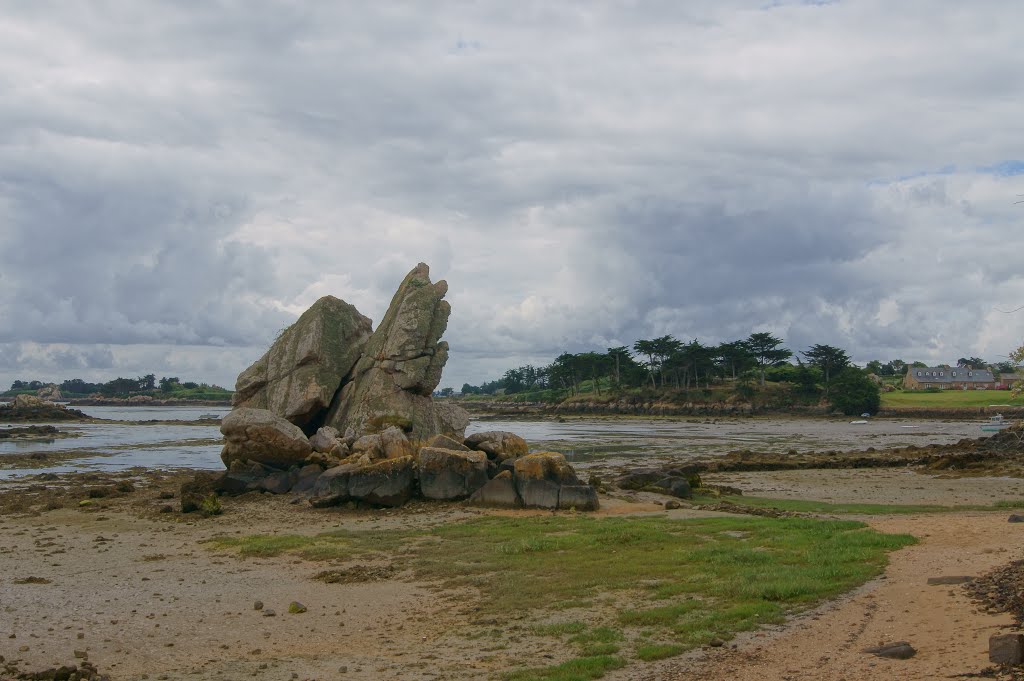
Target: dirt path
(950,635)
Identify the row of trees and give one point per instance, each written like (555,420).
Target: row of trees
(664,362)
(119,386)
(897,367)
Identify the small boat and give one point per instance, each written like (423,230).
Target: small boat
(203,417)
(857,423)
(995,424)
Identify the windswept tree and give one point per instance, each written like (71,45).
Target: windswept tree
(971,363)
(734,357)
(827,358)
(619,358)
(765,350)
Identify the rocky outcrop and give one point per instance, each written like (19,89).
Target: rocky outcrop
(261,436)
(299,375)
(49,393)
(401,366)
(542,478)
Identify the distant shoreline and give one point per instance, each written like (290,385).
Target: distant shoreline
(113,402)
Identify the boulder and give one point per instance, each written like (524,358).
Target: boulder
(49,393)
(261,436)
(451,474)
(277,482)
(306,478)
(395,444)
(677,487)
(578,497)
(1006,649)
(540,475)
(325,439)
(401,365)
(498,444)
(499,492)
(388,482)
(301,372)
(25,401)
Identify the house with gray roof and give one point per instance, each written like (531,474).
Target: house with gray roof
(948,378)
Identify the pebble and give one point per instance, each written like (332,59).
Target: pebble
(258,605)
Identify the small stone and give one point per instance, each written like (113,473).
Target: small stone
(269,612)
(258,605)
(1015,518)
(81,655)
(899,650)
(343,669)
(950,579)
(716,642)
(81,635)
(672,504)
(1006,649)
(296,608)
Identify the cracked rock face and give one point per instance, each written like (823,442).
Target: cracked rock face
(401,365)
(299,375)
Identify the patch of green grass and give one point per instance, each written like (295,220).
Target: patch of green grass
(950,398)
(578,669)
(1009,503)
(689,580)
(659,651)
(317,547)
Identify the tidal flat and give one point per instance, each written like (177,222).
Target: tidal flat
(96,558)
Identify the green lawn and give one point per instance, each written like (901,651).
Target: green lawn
(676,584)
(951,398)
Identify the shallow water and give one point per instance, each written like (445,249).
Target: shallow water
(587,442)
(118,446)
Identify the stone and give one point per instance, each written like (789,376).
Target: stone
(672,505)
(578,497)
(1015,518)
(640,478)
(445,442)
(324,440)
(499,444)
(539,476)
(369,445)
(257,605)
(950,579)
(677,487)
(306,479)
(299,375)
(401,365)
(395,444)
(278,482)
(499,492)
(451,474)
(261,436)
(197,490)
(388,482)
(1006,649)
(899,650)
(296,608)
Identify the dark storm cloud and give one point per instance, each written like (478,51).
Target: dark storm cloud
(180,180)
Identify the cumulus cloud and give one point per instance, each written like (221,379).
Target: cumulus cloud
(178,182)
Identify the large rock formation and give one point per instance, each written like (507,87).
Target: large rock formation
(339,414)
(401,366)
(299,375)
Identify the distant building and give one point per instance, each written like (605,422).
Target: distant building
(949,378)
(1007,381)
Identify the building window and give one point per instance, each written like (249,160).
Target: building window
(918,373)
(954,374)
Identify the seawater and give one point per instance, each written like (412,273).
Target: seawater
(185,443)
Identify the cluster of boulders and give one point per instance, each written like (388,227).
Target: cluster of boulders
(337,412)
(29,408)
(492,468)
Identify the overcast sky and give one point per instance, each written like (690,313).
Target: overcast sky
(180,180)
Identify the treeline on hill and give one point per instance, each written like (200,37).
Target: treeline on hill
(165,388)
(735,369)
